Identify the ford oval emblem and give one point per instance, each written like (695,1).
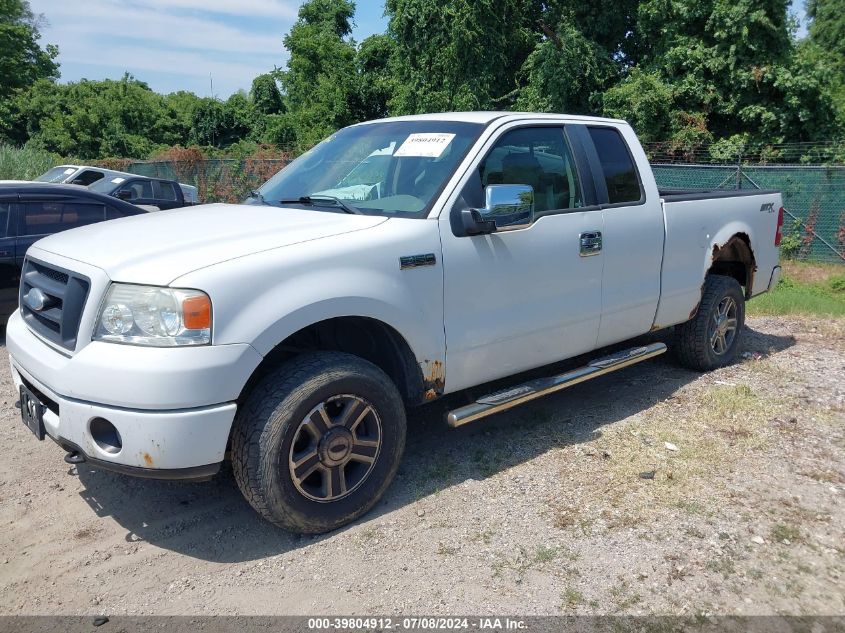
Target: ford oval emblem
(35,299)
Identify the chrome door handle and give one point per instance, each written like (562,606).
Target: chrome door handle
(590,243)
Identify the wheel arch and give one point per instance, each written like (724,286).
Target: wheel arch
(365,337)
(734,257)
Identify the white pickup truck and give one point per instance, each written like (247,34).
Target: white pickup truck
(397,261)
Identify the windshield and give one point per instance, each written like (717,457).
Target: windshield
(107,185)
(391,168)
(57,174)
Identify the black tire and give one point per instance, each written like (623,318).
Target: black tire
(271,420)
(694,339)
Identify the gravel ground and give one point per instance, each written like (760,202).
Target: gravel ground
(651,491)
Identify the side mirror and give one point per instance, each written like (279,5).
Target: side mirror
(508,208)
(124,195)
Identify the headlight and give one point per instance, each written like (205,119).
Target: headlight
(153,316)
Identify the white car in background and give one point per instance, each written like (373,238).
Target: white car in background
(86,176)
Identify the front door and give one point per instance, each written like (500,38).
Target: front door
(520,299)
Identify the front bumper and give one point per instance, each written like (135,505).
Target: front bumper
(192,440)
(173,408)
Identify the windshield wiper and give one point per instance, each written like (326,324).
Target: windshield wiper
(315,200)
(259,196)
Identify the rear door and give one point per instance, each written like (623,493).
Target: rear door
(633,235)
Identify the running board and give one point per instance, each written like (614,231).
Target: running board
(513,396)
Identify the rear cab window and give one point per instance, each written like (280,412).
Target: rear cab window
(619,171)
(167,191)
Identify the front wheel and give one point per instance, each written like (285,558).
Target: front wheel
(318,441)
(711,339)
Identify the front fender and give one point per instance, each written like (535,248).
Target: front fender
(264,298)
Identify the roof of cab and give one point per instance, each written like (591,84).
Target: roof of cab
(486,118)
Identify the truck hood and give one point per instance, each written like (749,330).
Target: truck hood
(157,248)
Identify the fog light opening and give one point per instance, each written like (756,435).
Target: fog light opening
(105,435)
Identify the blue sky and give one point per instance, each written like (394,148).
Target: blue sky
(176,44)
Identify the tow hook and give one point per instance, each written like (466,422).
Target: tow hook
(74,457)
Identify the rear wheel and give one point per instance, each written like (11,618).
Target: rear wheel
(318,441)
(711,339)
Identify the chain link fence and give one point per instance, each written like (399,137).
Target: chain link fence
(813,195)
(216,180)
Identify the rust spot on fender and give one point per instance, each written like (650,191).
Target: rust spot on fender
(434,379)
(148,460)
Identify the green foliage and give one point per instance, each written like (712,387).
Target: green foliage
(792,240)
(827,29)
(320,80)
(458,55)
(734,65)
(22,60)
(265,95)
(25,163)
(799,297)
(565,74)
(376,76)
(725,73)
(92,119)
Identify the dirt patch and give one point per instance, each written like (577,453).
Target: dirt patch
(652,491)
(811,273)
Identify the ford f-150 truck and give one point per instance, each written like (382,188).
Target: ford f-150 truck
(397,261)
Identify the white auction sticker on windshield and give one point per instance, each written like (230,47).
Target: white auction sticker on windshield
(428,145)
(117,181)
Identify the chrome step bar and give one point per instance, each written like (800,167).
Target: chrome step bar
(513,396)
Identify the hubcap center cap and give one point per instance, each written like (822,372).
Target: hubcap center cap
(335,447)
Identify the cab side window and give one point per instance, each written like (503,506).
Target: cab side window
(138,189)
(539,157)
(44,218)
(620,174)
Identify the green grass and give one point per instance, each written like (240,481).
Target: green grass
(25,163)
(823,297)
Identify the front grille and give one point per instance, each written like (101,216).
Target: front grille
(65,292)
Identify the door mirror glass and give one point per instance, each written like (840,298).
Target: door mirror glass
(124,194)
(509,207)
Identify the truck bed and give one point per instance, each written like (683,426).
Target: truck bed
(701,222)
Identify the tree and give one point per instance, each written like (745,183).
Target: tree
(827,28)
(459,55)
(320,79)
(22,60)
(732,70)
(565,73)
(95,119)
(376,76)
(265,95)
